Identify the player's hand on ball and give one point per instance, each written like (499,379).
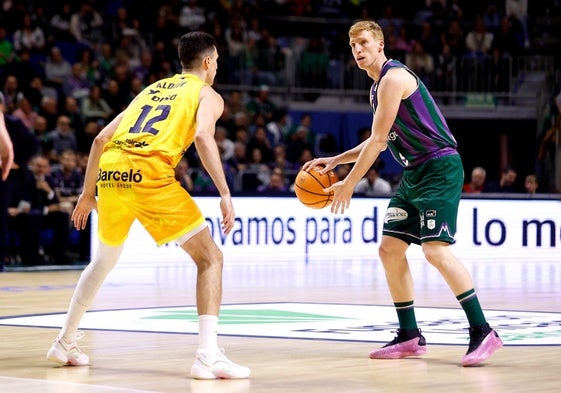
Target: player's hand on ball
(309,187)
(325,163)
(341,198)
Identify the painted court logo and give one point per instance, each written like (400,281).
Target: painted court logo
(338,322)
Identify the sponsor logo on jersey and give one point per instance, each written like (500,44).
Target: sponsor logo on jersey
(395,214)
(130,143)
(430,213)
(129,176)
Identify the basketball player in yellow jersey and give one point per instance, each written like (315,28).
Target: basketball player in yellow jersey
(132,163)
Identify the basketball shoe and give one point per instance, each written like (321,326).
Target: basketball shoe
(217,366)
(62,352)
(407,342)
(483,341)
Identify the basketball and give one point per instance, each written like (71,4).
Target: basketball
(309,186)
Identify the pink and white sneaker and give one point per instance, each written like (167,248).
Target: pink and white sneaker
(483,341)
(215,365)
(69,354)
(406,343)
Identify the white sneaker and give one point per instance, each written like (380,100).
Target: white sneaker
(69,354)
(217,365)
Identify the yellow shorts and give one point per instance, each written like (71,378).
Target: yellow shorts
(133,187)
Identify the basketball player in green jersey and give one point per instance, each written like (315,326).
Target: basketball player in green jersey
(424,209)
(132,164)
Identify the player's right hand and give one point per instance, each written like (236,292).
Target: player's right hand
(82,210)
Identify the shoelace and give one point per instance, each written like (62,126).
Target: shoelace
(476,337)
(399,333)
(221,356)
(70,345)
(395,339)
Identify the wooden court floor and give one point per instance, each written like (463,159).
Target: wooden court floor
(136,361)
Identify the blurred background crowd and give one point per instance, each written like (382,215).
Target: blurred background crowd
(66,68)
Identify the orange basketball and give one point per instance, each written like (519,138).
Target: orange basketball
(309,187)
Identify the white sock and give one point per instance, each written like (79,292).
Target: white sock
(70,326)
(208,336)
(88,285)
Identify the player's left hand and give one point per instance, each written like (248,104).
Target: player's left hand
(228,214)
(323,164)
(342,196)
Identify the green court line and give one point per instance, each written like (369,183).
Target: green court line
(241,316)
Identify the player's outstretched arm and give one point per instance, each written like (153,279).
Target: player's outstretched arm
(329,163)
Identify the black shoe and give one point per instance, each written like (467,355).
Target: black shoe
(483,341)
(406,335)
(476,336)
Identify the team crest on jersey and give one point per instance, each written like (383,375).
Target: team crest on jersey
(431,224)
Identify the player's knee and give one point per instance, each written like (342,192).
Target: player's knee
(389,255)
(212,258)
(384,252)
(218,258)
(435,253)
(392,250)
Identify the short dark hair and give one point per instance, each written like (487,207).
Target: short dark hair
(193,46)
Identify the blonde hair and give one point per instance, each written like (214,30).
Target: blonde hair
(366,25)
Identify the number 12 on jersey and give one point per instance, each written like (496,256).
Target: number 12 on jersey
(149,117)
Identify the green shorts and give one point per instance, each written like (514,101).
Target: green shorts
(425,206)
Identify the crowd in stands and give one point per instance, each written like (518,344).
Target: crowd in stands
(507,183)
(66,68)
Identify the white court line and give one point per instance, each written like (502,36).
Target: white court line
(13,384)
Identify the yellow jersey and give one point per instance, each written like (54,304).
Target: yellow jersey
(161,121)
(136,178)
